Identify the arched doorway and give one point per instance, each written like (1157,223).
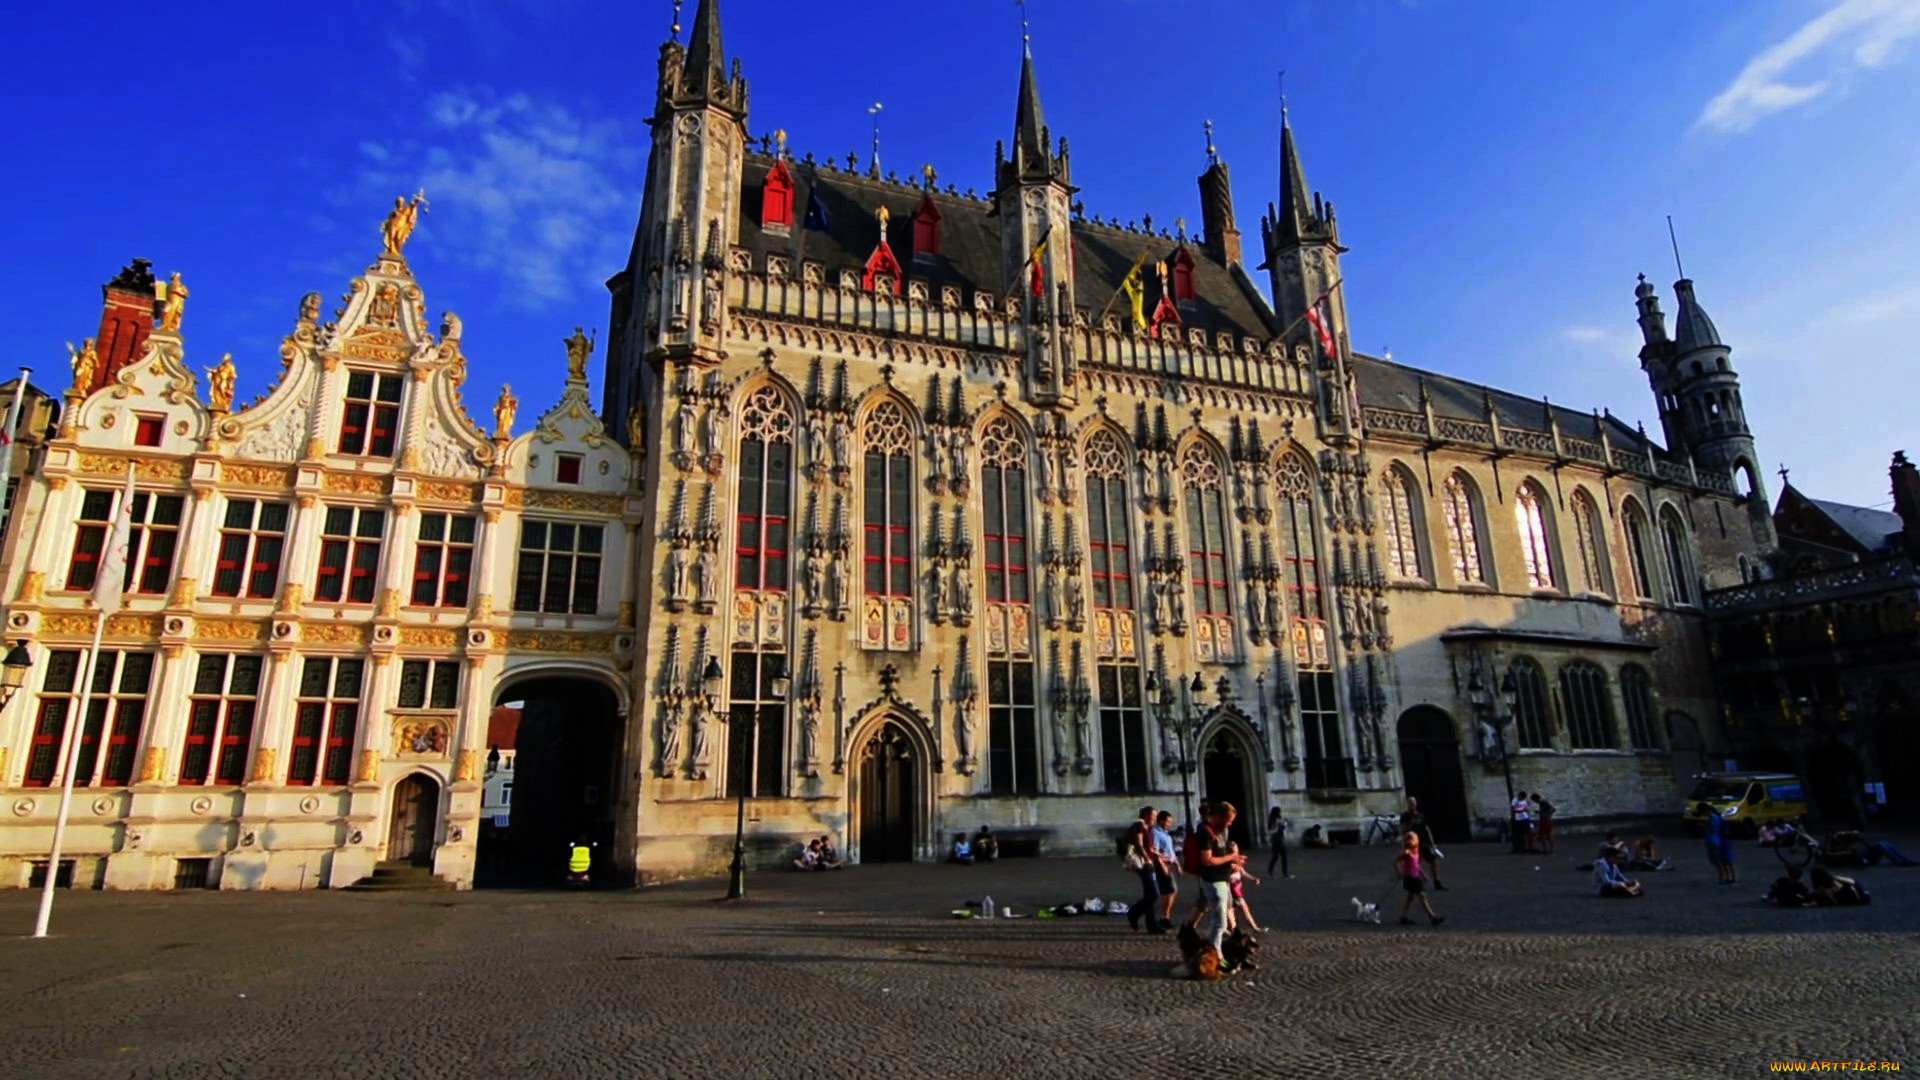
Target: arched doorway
(411,824)
(1225,762)
(1834,777)
(552,776)
(1430,763)
(889,796)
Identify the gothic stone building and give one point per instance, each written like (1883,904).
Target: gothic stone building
(935,510)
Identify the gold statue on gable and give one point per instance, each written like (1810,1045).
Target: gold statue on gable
(398,226)
(86,361)
(220,384)
(503,411)
(172,298)
(579,347)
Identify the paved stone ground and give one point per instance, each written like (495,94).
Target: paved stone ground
(861,973)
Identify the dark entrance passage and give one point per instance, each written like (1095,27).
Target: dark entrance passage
(1898,748)
(556,780)
(410,828)
(1223,776)
(1430,762)
(1834,776)
(888,797)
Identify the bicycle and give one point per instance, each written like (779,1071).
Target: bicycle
(1385,828)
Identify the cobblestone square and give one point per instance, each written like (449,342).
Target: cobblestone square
(863,973)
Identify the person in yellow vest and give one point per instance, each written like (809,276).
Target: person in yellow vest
(579,861)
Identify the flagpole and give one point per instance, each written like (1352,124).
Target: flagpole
(7,438)
(70,754)
(1302,317)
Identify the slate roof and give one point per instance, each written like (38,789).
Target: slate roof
(970,247)
(1386,384)
(1876,531)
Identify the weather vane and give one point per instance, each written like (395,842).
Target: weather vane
(873,110)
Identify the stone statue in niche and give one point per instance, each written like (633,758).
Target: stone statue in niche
(942,594)
(813,580)
(1275,612)
(1047,478)
(1083,731)
(963,732)
(809,738)
(837,583)
(683,430)
(842,437)
(962,595)
(957,446)
(1147,478)
(1060,736)
(669,737)
(715,433)
(677,573)
(697,769)
(1162,605)
(705,572)
(1076,601)
(816,440)
(1050,594)
(710,303)
(1177,603)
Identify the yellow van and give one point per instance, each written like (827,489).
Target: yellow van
(1746,800)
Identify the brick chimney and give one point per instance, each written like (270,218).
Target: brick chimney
(1906,500)
(126,318)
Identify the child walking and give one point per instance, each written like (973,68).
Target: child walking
(1407,868)
(1240,909)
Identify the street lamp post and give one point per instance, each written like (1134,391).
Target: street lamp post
(778,683)
(1510,697)
(13,671)
(1161,695)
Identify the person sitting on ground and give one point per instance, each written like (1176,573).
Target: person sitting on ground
(1834,890)
(1316,837)
(809,857)
(829,859)
(961,852)
(1772,835)
(985,847)
(1790,891)
(1610,881)
(1875,852)
(1646,856)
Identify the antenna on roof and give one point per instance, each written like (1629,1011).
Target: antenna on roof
(1675,241)
(873,110)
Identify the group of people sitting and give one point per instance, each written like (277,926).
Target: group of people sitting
(1611,863)
(819,854)
(1827,889)
(982,848)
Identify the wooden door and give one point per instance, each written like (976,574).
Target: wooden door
(888,793)
(416,804)
(1430,765)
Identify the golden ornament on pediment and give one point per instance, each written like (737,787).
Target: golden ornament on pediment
(369,766)
(447,491)
(427,738)
(292,595)
(503,412)
(220,382)
(429,637)
(579,348)
(483,608)
(515,499)
(400,222)
(151,763)
(252,630)
(263,765)
(79,624)
(316,448)
(184,591)
(354,483)
(465,766)
(266,476)
(574,501)
(86,360)
(560,641)
(333,634)
(172,297)
(159,470)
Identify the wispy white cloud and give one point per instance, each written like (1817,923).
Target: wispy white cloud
(1850,34)
(535,195)
(1898,302)
(1585,335)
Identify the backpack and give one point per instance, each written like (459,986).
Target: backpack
(1190,852)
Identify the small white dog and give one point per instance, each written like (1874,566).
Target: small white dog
(1365,912)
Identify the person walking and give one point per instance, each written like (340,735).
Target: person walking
(1413,882)
(1166,870)
(1415,822)
(1522,824)
(1142,860)
(1543,824)
(1277,840)
(1217,861)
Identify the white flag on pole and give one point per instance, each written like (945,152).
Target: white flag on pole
(110,584)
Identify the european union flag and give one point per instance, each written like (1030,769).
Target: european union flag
(816,213)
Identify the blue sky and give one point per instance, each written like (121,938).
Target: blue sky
(1502,170)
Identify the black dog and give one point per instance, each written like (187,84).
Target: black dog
(1199,960)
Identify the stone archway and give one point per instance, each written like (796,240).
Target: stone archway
(414,820)
(1430,766)
(1228,771)
(558,777)
(891,780)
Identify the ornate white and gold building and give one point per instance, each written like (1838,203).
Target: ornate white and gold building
(920,510)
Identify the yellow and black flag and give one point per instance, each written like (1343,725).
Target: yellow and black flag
(1135,296)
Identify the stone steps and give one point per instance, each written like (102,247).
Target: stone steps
(400,877)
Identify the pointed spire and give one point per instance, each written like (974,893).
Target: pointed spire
(706,59)
(1296,220)
(1029,122)
(1691,327)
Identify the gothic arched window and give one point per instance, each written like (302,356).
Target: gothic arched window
(1634,521)
(1536,534)
(1399,502)
(1533,720)
(1673,537)
(763,503)
(886,617)
(1123,724)
(1003,509)
(1013,737)
(1583,694)
(1591,542)
(1636,690)
(1327,764)
(1463,529)
(1207,554)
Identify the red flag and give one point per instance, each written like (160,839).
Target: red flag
(1322,321)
